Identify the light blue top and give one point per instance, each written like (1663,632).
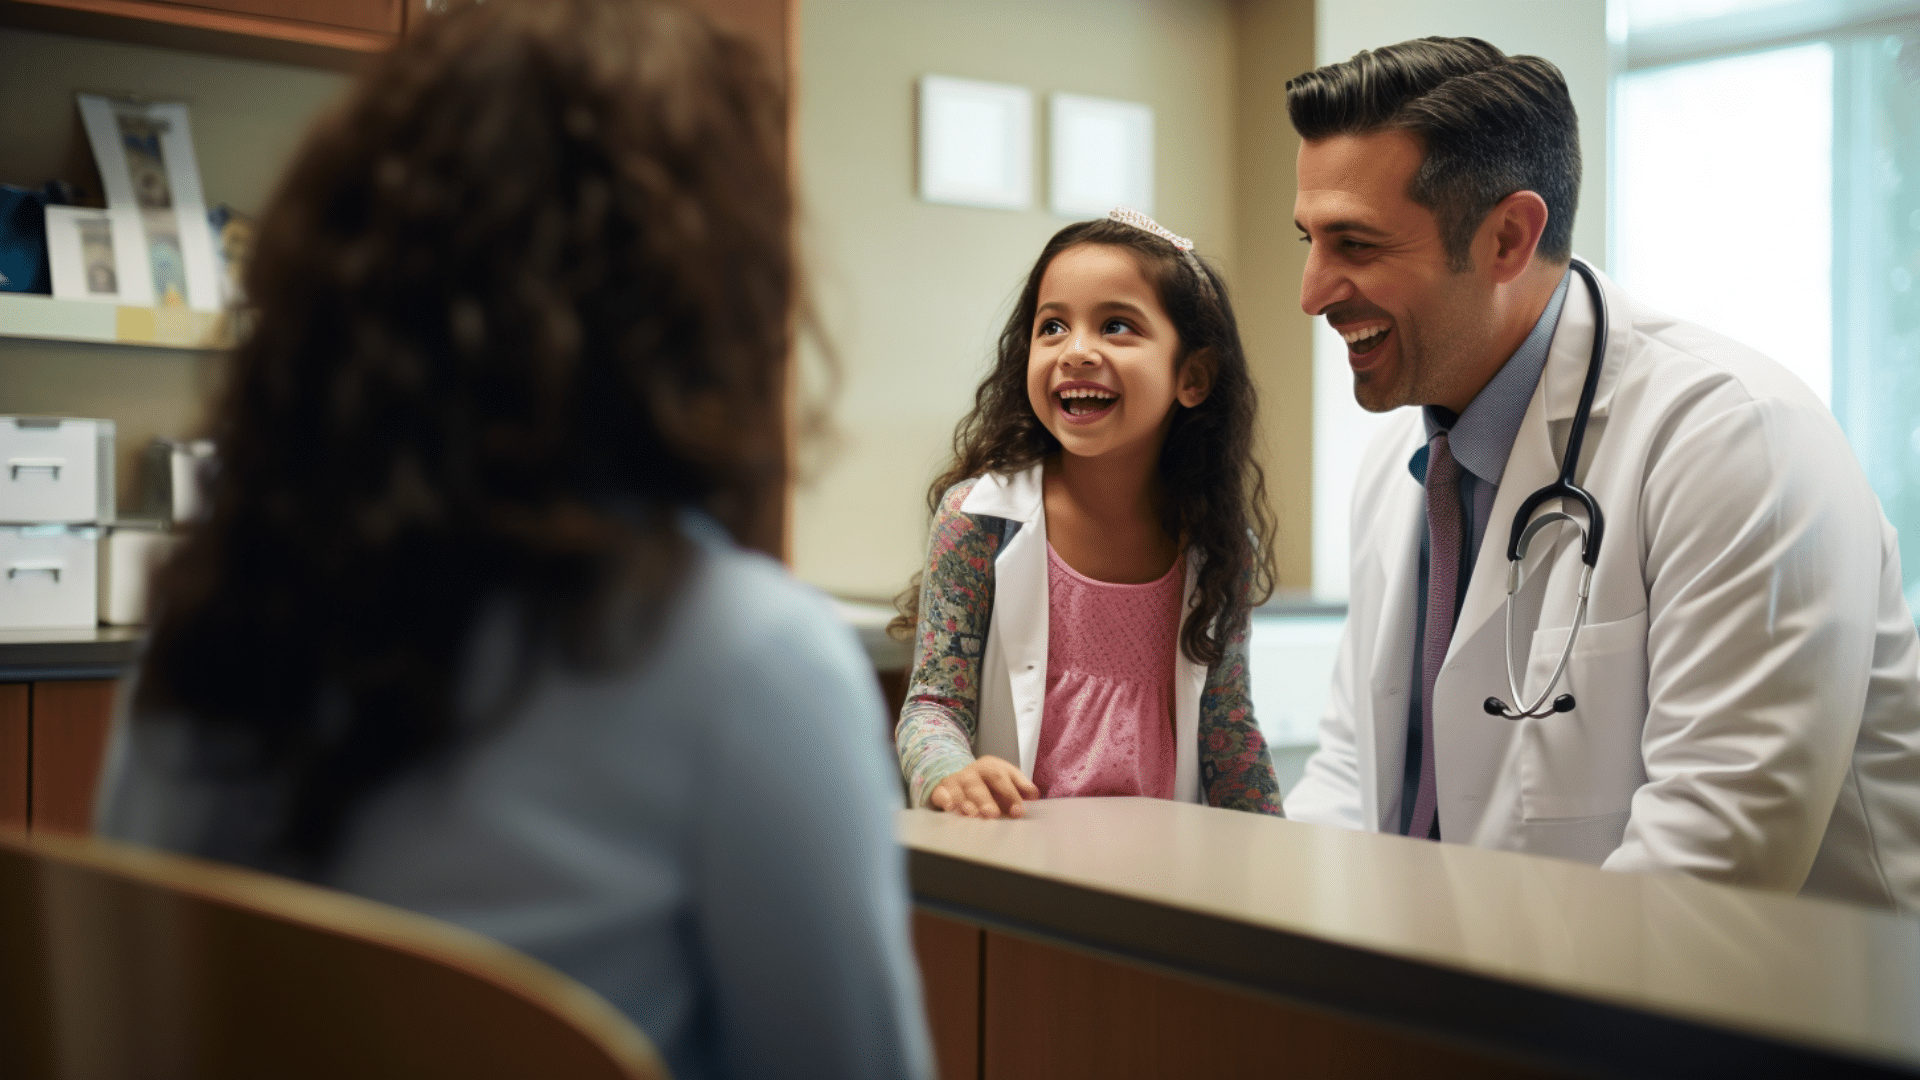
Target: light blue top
(705,839)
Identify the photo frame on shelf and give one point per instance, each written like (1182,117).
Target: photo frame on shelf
(149,170)
(87,254)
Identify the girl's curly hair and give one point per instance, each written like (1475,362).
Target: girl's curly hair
(1216,493)
(521,298)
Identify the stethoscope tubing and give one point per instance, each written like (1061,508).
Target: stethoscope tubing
(1525,525)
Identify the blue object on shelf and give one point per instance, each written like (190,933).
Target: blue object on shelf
(23,241)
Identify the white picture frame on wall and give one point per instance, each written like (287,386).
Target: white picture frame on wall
(97,255)
(976,143)
(1100,155)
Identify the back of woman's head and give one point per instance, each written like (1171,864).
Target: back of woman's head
(1216,499)
(523,296)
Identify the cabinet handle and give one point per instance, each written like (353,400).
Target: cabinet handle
(51,466)
(16,571)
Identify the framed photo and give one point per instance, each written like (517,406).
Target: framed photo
(87,253)
(1100,155)
(976,143)
(148,167)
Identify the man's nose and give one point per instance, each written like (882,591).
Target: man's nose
(1322,284)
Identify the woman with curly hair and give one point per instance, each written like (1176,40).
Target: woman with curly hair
(466,628)
(1098,543)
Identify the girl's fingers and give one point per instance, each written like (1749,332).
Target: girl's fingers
(976,791)
(1027,787)
(1006,792)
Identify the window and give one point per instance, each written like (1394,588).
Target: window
(1767,185)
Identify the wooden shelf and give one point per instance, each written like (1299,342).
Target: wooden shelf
(202,29)
(24,315)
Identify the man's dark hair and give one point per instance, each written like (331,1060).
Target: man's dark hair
(1491,125)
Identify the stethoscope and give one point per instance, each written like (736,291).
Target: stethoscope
(1524,529)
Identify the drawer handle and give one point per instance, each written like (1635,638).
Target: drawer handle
(16,571)
(50,466)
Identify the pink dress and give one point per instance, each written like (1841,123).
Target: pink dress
(1108,724)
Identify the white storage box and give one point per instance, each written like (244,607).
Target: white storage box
(128,556)
(55,470)
(48,577)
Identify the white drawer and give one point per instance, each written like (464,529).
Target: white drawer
(48,576)
(55,470)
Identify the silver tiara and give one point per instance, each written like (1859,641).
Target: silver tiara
(1127,215)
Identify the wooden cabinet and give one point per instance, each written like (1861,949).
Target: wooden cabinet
(53,737)
(336,34)
(381,15)
(1006,1007)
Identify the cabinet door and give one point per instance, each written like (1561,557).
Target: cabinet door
(15,739)
(70,721)
(380,15)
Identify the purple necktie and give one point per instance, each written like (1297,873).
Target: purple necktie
(1443,586)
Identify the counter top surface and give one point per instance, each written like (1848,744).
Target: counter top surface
(100,652)
(1806,972)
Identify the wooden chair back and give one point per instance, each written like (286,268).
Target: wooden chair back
(117,961)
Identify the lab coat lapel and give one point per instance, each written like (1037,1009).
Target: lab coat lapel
(1019,627)
(1391,679)
(1189,682)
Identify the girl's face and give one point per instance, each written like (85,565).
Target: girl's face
(1101,362)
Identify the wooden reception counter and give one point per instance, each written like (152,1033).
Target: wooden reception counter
(1135,937)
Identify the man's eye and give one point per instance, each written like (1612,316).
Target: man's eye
(1354,245)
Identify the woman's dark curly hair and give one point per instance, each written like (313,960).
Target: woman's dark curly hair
(520,299)
(1215,492)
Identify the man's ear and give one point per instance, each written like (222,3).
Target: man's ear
(1512,233)
(1195,377)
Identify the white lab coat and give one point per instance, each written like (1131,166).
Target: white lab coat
(1013,681)
(1748,681)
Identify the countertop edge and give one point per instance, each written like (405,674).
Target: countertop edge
(1512,1019)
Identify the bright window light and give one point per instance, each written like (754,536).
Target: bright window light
(1723,200)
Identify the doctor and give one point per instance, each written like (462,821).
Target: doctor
(1741,700)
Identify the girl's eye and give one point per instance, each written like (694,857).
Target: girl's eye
(1117,326)
(1052,327)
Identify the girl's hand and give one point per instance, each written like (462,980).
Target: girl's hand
(985,789)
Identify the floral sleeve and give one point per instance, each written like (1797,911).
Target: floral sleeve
(1235,769)
(939,720)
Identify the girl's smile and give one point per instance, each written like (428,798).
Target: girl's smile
(1083,402)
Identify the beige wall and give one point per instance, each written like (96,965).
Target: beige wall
(1273,42)
(248,117)
(913,293)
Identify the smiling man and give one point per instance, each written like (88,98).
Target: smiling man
(1736,694)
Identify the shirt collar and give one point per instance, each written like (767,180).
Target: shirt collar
(1482,437)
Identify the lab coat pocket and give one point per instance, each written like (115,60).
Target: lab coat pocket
(1586,762)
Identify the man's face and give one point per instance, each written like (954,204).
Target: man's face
(1378,271)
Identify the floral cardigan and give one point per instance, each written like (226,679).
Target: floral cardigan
(938,722)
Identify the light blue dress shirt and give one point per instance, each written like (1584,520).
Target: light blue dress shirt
(706,839)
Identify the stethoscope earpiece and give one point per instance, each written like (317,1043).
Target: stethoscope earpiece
(1563,703)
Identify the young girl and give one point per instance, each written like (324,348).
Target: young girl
(1097,544)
